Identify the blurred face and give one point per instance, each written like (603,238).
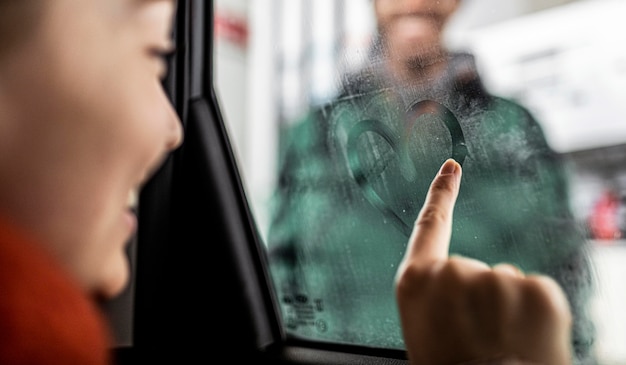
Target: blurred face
(412,29)
(84,122)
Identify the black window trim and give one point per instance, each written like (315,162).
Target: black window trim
(202,291)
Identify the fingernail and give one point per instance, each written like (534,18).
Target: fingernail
(449,167)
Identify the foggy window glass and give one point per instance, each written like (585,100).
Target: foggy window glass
(341,113)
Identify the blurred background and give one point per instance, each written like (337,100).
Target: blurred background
(564,60)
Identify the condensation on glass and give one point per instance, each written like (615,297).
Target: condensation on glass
(337,144)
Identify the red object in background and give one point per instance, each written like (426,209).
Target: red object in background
(604,219)
(233,28)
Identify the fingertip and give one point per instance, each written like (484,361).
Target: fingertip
(450,167)
(448,178)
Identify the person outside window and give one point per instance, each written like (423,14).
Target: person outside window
(354,172)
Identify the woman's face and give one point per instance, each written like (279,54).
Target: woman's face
(412,29)
(85,122)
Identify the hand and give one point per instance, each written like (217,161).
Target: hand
(457,310)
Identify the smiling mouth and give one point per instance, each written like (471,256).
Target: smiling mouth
(429,18)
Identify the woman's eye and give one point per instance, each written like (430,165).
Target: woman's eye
(163,57)
(164,54)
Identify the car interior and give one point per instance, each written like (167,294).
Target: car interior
(244,71)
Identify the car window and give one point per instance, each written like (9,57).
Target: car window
(341,112)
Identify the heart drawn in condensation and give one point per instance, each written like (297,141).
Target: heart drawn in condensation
(459,151)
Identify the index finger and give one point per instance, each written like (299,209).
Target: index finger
(430,239)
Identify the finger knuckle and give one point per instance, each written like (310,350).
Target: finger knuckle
(487,287)
(452,271)
(431,215)
(488,297)
(443,185)
(411,280)
(547,297)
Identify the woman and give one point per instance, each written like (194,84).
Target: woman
(84,122)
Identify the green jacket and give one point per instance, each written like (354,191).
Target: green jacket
(354,174)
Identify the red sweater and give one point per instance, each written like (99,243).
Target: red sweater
(45,318)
